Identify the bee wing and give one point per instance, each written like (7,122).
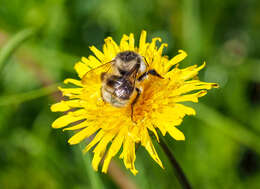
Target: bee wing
(96,72)
(132,74)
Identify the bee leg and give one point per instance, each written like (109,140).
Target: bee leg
(152,72)
(141,78)
(134,102)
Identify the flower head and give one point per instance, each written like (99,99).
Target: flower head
(158,107)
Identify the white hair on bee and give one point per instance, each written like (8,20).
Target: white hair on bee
(143,67)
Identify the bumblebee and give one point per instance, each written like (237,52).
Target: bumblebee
(122,77)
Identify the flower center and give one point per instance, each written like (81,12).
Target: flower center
(148,100)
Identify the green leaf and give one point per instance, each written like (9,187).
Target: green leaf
(22,97)
(13,44)
(228,126)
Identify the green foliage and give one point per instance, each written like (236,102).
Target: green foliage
(222,141)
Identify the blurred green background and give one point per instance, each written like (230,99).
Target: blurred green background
(40,40)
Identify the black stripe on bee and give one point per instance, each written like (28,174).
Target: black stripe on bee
(122,72)
(123,88)
(113,81)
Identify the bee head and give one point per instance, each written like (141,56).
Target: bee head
(127,56)
(127,59)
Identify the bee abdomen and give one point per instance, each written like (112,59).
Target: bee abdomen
(122,88)
(124,91)
(117,91)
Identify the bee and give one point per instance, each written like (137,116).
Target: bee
(121,79)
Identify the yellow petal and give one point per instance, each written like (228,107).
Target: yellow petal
(93,62)
(65,120)
(114,148)
(93,142)
(124,45)
(81,69)
(78,126)
(160,127)
(60,107)
(175,133)
(83,134)
(131,42)
(73,81)
(190,73)
(134,133)
(159,65)
(128,155)
(85,61)
(178,58)
(184,109)
(147,143)
(190,97)
(172,116)
(70,91)
(111,48)
(151,128)
(163,121)
(142,42)
(97,53)
(160,50)
(63,106)
(109,51)
(100,149)
(191,86)
(152,46)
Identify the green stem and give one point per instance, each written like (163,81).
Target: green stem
(13,44)
(22,97)
(95,180)
(178,171)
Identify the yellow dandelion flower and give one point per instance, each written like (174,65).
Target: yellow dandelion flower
(159,106)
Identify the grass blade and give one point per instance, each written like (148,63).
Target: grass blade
(22,97)
(13,44)
(229,127)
